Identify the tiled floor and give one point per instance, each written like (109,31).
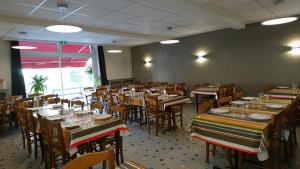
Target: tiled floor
(173,150)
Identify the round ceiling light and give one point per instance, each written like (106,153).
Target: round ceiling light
(279,21)
(23,47)
(114,51)
(169,41)
(64,28)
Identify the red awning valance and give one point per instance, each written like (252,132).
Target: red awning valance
(38,63)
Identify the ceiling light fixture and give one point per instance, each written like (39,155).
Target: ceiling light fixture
(279,21)
(64,28)
(114,51)
(23,47)
(169,41)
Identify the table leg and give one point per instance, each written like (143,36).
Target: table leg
(118,143)
(197,102)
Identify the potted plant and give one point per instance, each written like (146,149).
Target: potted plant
(38,83)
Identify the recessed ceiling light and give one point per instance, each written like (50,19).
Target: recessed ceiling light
(23,47)
(279,21)
(114,51)
(169,41)
(64,28)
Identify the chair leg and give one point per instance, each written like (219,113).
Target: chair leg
(181,120)
(28,142)
(240,162)
(286,151)
(229,159)
(35,145)
(156,125)
(295,135)
(214,150)
(23,137)
(207,152)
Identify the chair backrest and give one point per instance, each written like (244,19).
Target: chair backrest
(46,97)
(222,91)
(170,87)
(222,101)
(43,128)
(230,89)
(180,86)
(267,88)
(153,104)
(25,102)
(97,106)
(35,95)
(55,136)
(92,159)
(121,99)
(21,117)
(30,122)
(77,102)
(65,101)
(204,107)
(53,100)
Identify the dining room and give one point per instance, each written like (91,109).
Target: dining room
(149,84)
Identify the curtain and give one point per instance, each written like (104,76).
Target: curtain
(104,80)
(17,79)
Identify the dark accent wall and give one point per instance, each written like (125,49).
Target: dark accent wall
(249,57)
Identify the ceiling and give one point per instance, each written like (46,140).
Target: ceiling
(134,22)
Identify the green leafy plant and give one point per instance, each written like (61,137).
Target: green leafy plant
(38,83)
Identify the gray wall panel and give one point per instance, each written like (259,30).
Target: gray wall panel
(250,57)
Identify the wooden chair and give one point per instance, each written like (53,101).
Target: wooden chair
(77,103)
(222,101)
(46,97)
(65,101)
(22,124)
(267,88)
(92,159)
(31,131)
(44,140)
(153,114)
(230,90)
(204,107)
(97,106)
(35,95)
(5,115)
(53,100)
(57,145)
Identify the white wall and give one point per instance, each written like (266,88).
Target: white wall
(118,65)
(5,68)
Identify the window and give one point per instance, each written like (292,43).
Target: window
(68,71)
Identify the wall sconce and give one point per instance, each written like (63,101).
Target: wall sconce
(295,47)
(295,50)
(201,58)
(148,62)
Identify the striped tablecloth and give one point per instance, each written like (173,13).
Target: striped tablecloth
(94,131)
(205,91)
(131,165)
(284,93)
(238,134)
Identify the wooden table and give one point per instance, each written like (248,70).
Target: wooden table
(237,132)
(284,93)
(205,91)
(90,130)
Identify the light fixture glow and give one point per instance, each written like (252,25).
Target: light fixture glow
(201,59)
(114,51)
(148,61)
(169,41)
(23,47)
(295,50)
(279,21)
(64,28)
